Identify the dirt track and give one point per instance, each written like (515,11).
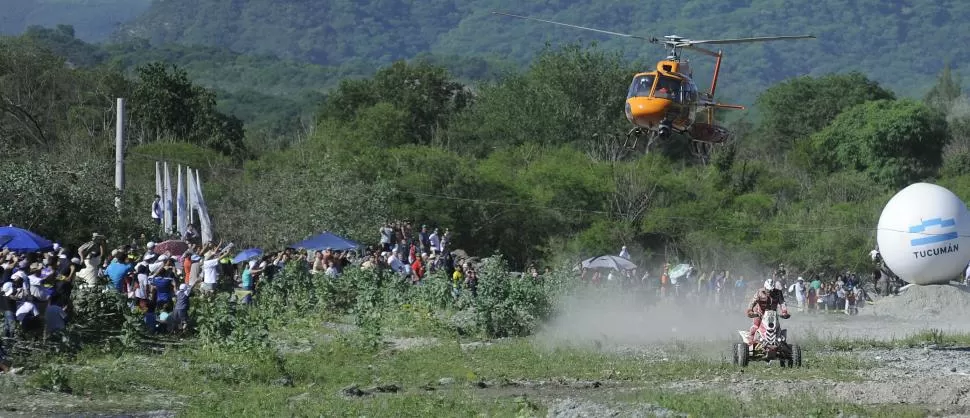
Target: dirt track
(937,378)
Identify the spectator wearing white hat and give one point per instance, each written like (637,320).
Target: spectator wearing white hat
(92,260)
(180,315)
(210,268)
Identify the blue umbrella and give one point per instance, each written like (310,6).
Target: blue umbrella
(18,239)
(246,255)
(326,240)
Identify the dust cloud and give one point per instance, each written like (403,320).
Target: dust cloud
(613,318)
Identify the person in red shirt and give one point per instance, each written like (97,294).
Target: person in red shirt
(417,269)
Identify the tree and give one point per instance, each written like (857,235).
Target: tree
(421,90)
(894,142)
(570,96)
(945,92)
(797,108)
(166,105)
(44,102)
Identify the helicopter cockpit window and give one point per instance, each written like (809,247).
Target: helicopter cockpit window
(641,86)
(668,88)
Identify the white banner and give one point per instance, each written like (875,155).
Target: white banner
(158,178)
(167,203)
(189,197)
(205,225)
(182,217)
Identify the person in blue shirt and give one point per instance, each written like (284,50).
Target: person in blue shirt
(117,270)
(247,276)
(164,283)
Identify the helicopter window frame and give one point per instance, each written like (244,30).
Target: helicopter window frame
(689,90)
(636,92)
(669,82)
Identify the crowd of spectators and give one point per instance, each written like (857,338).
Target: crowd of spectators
(37,289)
(719,288)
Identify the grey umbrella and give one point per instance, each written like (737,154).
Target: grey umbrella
(609,262)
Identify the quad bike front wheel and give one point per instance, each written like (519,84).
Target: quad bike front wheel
(741,354)
(796,356)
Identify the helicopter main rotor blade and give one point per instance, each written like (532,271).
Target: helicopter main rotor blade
(702,50)
(625,35)
(745,40)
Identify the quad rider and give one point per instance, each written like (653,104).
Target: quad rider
(770,297)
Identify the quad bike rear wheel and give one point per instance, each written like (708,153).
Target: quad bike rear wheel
(741,354)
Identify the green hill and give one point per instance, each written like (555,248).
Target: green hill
(94,20)
(897,44)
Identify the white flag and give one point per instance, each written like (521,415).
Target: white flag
(158,179)
(189,196)
(167,202)
(204,222)
(182,219)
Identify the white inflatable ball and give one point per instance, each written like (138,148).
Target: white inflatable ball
(924,234)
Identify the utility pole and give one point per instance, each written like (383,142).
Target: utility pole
(120,151)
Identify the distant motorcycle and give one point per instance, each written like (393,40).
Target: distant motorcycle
(771,344)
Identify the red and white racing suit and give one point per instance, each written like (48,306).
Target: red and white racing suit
(764,300)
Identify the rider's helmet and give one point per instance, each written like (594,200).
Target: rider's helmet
(769,284)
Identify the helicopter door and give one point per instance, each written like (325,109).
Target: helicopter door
(641,86)
(668,88)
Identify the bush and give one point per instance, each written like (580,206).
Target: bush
(222,323)
(507,306)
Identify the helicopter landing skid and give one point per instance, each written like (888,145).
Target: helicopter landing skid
(705,136)
(701,149)
(709,133)
(636,133)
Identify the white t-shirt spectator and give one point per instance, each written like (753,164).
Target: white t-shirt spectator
(210,271)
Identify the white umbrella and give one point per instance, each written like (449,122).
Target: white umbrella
(678,271)
(609,262)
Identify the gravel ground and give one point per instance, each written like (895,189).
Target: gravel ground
(935,377)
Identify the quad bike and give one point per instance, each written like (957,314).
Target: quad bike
(771,344)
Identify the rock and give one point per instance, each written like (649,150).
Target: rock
(391,388)
(353,391)
(445,381)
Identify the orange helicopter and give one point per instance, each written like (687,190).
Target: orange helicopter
(666,100)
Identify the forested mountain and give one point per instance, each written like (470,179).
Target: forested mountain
(298,129)
(896,43)
(94,20)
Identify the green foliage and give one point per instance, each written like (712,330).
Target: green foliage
(505,306)
(571,95)
(508,306)
(876,40)
(945,93)
(799,107)
(168,105)
(45,104)
(93,20)
(53,377)
(224,324)
(423,92)
(67,204)
(895,142)
(285,197)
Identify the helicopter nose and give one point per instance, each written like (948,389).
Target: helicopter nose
(646,111)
